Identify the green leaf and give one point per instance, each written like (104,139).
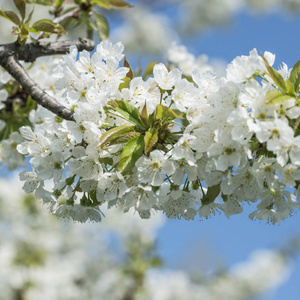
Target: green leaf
(151,138)
(41,2)
(281,99)
(24,33)
(188,78)
(277,78)
(114,4)
(290,88)
(144,116)
(119,4)
(48,26)
(102,26)
(28,20)
(32,30)
(149,70)
(213,192)
(103,3)
(152,119)
(125,138)
(270,95)
(11,16)
(127,65)
(273,97)
(86,19)
(114,133)
(58,3)
(106,160)
(125,84)
(128,111)
(295,76)
(163,112)
(21,6)
(132,151)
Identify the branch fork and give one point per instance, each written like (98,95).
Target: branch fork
(10,54)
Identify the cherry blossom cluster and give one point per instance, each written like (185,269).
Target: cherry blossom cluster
(184,145)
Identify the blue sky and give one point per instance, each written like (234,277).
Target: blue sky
(231,241)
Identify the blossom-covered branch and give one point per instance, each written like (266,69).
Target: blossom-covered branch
(11,53)
(10,63)
(235,145)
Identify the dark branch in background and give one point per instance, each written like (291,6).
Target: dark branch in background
(30,52)
(10,54)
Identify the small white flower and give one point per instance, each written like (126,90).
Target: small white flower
(106,49)
(182,149)
(165,79)
(31,181)
(276,133)
(150,170)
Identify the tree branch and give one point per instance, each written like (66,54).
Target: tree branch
(10,54)
(30,52)
(9,62)
(71,14)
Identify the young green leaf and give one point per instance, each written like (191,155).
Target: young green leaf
(125,138)
(290,88)
(128,111)
(144,116)
(21,6)
(11,16)
(102,26)
(132,151)
(103,3)
(127,65)
(213,192)
(295,76)
(114,4)
(106,160)
(59,3)
(151,138)
(41,2)
(277,78)
(125,84)
(273,97)
(119,4)
(87,21)
(114,133)
(281,99)
(163,112)
(48,26)
(24,33)
(28,20)
(270,95)
(149,70)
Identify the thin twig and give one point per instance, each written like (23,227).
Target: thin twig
(71,14)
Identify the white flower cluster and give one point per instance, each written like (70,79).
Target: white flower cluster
(239,140)
(39,72)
